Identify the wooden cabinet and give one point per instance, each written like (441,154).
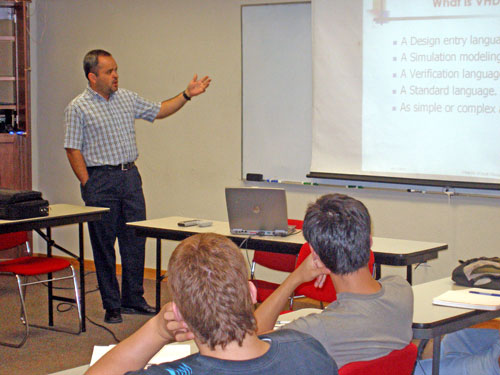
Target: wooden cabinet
(15,105)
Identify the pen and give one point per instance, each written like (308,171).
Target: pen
(282,322)
(354,187)
(484,293)
(310,183)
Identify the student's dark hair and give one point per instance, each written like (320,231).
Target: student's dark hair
(338,228)
(90,61)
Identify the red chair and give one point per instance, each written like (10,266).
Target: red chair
(26,266)
(327,293)
(274,261)
(400,362)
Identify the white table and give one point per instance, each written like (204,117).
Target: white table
(431,321)
(387,251)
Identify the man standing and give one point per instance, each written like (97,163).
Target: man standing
(101,147)
(213,303)
(370,318)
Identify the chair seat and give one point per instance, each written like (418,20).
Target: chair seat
(29,266)
(24,267)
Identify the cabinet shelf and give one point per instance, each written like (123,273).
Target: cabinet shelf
(15,149)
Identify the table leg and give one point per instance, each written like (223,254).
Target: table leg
(409,273)
(50,290)
(378,271)
(81,259)
(436,355)
(158,274)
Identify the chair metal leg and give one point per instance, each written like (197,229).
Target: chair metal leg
(24,318)
(78,306)
(22,284)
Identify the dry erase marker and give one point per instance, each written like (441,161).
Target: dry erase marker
(415,191)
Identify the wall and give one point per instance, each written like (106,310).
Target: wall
(187,160)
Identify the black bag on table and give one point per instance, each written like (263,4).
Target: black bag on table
(478,273)
(22,204)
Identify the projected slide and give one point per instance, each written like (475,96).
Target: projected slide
(431,87)
(421,91)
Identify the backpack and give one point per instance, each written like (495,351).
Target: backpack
(478,272)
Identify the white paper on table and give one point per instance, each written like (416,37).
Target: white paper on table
(168,353)
(98,352)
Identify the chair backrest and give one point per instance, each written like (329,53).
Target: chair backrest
(10,240)
(399,362)
(298,223)
(327,293)
(277,261)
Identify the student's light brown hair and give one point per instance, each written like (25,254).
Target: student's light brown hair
(208,279)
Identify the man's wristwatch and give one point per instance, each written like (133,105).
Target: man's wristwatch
(186,96)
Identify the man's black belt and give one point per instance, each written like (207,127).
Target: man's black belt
(122,167)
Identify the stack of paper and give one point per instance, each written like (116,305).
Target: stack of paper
(472,298)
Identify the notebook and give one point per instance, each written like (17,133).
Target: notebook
(472,298)
(258,211)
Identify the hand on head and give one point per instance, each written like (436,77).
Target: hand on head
(173,324)
(312,268)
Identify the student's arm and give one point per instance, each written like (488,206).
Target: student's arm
(134,352)
(267,313)
(195,87)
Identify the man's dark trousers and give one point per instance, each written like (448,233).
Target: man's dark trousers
(120,191)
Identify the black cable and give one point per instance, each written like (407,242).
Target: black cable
(103,327)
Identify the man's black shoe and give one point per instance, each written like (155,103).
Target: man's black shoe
(113,316)
(143,309)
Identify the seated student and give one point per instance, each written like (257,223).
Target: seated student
(370,318)
(471,351)
(213,303)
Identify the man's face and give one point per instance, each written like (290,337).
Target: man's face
(105,81)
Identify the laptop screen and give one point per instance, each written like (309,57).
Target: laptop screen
(261,211)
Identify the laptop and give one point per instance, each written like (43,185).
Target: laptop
(258,211)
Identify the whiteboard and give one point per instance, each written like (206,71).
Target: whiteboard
(276,90)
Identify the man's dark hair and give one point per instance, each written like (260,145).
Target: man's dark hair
(338,228)
(90,61)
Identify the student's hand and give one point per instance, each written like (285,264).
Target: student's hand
(173,324)
(312,268)
(197,86)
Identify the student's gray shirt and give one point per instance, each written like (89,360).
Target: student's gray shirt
(359,327)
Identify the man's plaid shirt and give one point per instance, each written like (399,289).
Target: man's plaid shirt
(104,130)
